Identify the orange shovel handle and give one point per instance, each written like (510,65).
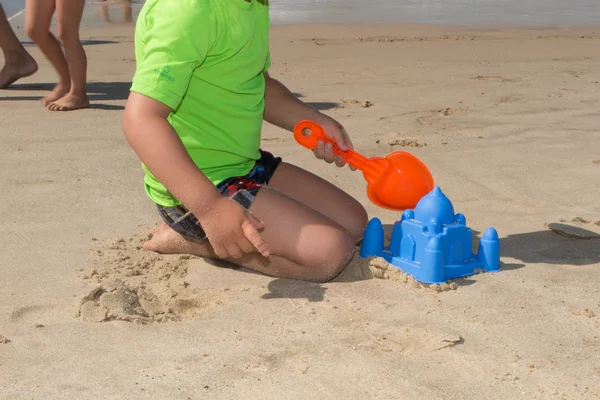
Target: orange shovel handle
(311,140)
(317,133)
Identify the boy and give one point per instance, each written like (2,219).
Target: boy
(199,95)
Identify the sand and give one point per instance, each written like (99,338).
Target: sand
(507,121)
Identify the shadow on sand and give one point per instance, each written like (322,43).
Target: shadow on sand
(28,43)
(319,105)
(97,92)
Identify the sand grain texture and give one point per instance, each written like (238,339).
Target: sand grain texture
(506,119)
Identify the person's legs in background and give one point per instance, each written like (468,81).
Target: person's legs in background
(68,19)
(127,11)
(38,15)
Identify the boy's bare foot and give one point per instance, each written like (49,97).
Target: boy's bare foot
(14,71)
(160,239)
(165,240)
(69,102)
(57,93)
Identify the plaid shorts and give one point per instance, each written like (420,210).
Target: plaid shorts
(242,189)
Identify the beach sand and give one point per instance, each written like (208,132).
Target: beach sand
(507,121)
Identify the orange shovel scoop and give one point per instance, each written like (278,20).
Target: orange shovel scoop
(396,182)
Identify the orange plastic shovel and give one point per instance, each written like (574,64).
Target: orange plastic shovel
(396,182)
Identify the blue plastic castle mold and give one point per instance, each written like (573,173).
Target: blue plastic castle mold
(432,243)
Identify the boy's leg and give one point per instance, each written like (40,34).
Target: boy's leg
(17,61)
(304,243)
(38,15)
(68,18)
(322,196)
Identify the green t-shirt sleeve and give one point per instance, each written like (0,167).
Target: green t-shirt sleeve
(171,41)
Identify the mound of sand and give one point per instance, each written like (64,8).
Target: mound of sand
(379,268)
(137,286)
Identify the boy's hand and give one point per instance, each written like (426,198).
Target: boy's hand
(232,230)
(336,131)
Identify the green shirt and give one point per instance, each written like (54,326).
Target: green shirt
(206,59)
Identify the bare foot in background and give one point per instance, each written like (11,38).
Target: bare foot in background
(59,91)
(69,102)
(16,68)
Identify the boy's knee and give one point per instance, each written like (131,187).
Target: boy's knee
(333,256)
(357,220)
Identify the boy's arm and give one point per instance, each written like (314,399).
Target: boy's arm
(230,230)
(166,57)
(158,146)
(285,110)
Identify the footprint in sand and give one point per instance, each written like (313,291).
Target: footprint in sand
(577,227)
(33,313)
